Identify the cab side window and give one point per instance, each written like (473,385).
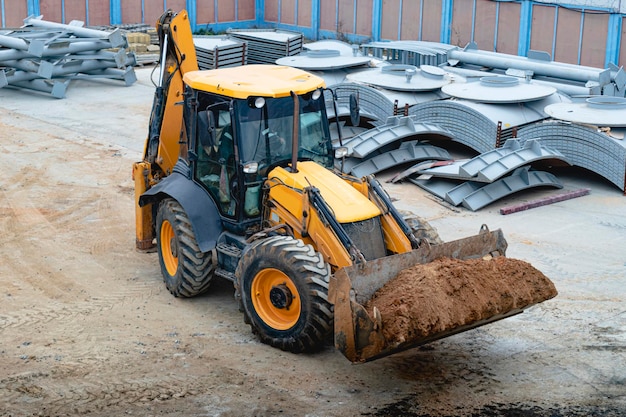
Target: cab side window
(216,164)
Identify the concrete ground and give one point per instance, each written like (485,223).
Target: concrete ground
(87,327)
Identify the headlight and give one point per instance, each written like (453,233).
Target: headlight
(251,167)
(256,102)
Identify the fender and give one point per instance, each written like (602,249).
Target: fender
(197,203)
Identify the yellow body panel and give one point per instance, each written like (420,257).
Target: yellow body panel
(254,80)
(309,228)
(143,215)
(348,204)
(288,201)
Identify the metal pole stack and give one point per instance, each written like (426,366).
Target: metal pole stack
(46,56)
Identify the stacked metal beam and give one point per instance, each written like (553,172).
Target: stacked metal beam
(46,56)
(220,51)
(410,52)
(265,46)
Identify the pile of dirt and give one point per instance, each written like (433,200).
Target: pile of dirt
(449,293)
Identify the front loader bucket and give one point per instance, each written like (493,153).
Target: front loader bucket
(360,335)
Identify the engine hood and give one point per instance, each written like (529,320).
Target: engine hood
(347,203)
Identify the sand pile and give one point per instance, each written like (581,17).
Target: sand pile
(448,293)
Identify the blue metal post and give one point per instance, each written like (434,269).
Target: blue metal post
(613,39)
(580,35)
(2,12)
(400,7)
(525,27)
(260,12)
(32,6)
(87,12)
(495,32)
(446,21)
(556,25)
(377,12)
(116,12)
(192,12)
(315,18)
(354,11)
(473,21)
(421,22)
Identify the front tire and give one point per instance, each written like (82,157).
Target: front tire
(421,229)
(186,270)
(283,288)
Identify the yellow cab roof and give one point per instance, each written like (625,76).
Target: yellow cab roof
(254,80)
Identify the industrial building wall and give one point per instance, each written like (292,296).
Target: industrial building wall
(586,32)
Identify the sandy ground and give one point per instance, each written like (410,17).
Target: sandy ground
(87,327)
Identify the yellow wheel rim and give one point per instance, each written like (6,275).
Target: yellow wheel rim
(275,299)
(169,250)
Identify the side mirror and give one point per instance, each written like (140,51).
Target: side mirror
(341,152)
(355,117)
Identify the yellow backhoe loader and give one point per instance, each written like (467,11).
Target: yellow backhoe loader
(238,182)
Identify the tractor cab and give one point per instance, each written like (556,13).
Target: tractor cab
(235,139)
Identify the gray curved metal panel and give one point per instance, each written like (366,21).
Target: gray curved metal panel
(532,151)
(583,146)
(468,126)
(372,103)
(472,167)
(396,128)
(475,124)
(413,151)
(520,179)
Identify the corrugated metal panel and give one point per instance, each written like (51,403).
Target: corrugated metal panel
(288,12)
(462,15)
(246,10)
(99,13)
(225,10)
(542,33)
(570,35)
(153,9)
(328,15)
(131,12)
(431,26)
(75,10)
(15,14)
(567,32)
(485,26)
(364,17)
(411,18)
(304,14)
(594,39)
(508,28)
(389,19)
(52,10)
(205,10)
(345,16)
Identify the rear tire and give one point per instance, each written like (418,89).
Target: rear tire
(186,270)
(283,289)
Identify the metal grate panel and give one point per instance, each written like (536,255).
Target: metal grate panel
(368,236)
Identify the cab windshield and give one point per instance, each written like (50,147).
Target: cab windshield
(265,132)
